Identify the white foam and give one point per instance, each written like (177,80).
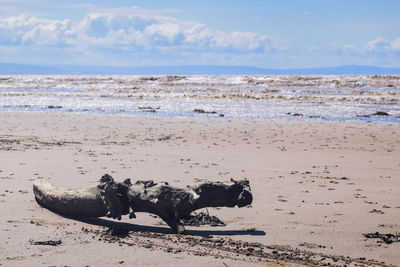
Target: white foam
(330,97)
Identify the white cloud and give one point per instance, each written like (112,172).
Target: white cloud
(24,30)
(137,31)
(240,41)
(167,33)
(395,45)
(379,45)
(379,52)
(347,49)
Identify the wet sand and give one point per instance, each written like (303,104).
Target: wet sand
(317,187)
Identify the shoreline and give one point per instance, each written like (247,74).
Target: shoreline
(318,186)
(294,118)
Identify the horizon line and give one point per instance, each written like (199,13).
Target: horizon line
(17,68)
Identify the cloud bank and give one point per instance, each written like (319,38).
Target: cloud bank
(109,38)
(126,32)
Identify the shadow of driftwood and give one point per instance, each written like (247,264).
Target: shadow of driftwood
(163,230)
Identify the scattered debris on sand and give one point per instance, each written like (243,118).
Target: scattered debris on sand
(46,242)
(149,109)
(381,113)
(202,218)
(224,248)
(378,113)
(53,106)
(384,238)
(202,111)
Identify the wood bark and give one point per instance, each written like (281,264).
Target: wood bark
(114,199)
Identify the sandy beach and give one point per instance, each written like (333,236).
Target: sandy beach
(317,186)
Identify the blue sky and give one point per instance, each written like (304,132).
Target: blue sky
(262,33)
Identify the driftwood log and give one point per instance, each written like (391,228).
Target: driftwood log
(113,199)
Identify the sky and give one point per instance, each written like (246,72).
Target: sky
(261,33)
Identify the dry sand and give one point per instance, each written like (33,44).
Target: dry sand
(317,187)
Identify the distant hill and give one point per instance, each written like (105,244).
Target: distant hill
(11,68)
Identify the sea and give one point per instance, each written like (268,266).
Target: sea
(362,98)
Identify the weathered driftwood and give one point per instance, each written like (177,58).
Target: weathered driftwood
(113,199)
